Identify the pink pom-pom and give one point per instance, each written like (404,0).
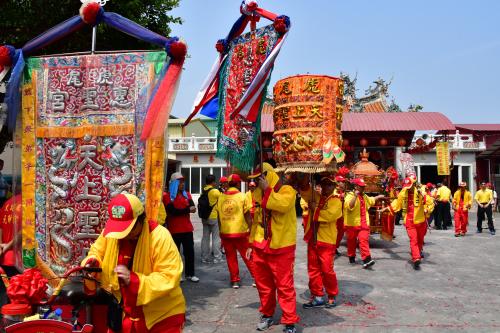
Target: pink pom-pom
(178,50)
(89,11)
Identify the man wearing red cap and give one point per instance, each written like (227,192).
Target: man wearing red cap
(357,222)
(416,207)
(320,233)
(462,202)
(231,208)
(141,268)
(223,184)
(273,249)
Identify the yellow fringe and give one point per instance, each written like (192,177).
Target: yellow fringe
(307,168)
(80,132)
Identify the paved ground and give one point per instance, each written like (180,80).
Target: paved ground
(457,289)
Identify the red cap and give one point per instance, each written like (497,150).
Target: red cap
(123,210)
(339,179)
(223,179)
(234,178)
(488,184)
(256,173)
(358,181)
(429,185)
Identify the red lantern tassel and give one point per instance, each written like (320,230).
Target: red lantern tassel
(161,105)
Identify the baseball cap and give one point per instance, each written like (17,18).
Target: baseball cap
(358,181)
(223,179)
(327,179)
(123,210)
(429,185)
(176,176)
(339,179)
(234,178)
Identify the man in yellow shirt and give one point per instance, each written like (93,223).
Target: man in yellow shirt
(273,250)
(357,222)
(417,207)
(320,233)
(141,268)
(231,209)
(210,254)
(462,202)
(484,200)
(443,198)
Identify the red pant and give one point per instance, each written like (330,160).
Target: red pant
(232,246)
(361,236)
(461,221)
(340,231)
(416,233)
(273,274)
(320,270)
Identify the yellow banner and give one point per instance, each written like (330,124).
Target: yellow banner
(443,158)
(28,163)
(155,158)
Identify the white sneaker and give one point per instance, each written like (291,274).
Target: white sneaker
(193,279)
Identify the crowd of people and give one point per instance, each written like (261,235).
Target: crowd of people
(141,261)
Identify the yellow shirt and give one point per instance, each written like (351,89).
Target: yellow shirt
(280,206)
(423,205)
(467,200)
(443,194)
(213,196)
(254,200)
(327,217)
(352,216)
(484,197)
(158,265)
(231,209)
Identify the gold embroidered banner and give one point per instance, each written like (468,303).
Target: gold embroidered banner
(443,158)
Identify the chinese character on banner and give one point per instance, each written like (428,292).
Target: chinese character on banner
(443,158)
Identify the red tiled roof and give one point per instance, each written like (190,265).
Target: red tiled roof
(375,107)
(383,121)
(479,127)
(397,121)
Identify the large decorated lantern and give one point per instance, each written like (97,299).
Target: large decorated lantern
(307,123)
(369,172)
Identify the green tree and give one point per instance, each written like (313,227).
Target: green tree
(22,20)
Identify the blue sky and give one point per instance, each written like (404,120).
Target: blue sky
(442,54)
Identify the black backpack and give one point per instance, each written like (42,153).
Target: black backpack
(204,208)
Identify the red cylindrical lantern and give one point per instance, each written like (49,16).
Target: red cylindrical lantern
(420,141)
(402,142)
(266,143)
(383,142)
(363,142)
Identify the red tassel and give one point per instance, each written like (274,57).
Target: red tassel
(5,59)
(161,105)
(89,11)
(178,50)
